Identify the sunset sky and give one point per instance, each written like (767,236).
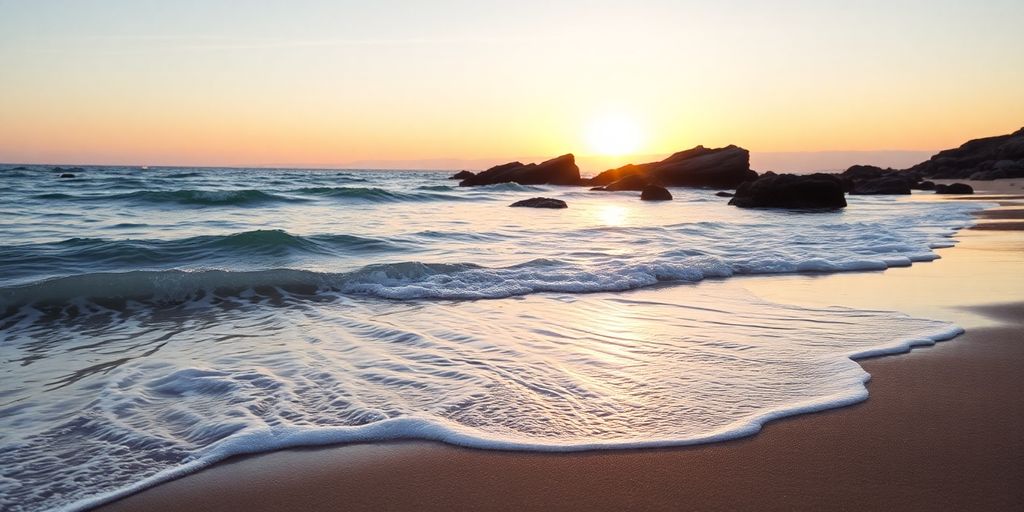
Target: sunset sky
(335,83)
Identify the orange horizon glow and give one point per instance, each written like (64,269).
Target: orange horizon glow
(341,84)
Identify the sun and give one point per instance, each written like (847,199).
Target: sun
(613,135)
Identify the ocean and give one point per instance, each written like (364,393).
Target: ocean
(155,321)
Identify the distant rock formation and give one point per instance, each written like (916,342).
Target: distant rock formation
(631,182)
(655,193)
(540,202)
(557,171)
(955,188)
(988,158)
(698,167)
(462,175)
(872,180)
(772,190)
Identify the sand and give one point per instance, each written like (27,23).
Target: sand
(940,430)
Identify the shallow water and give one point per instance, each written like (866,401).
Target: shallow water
(158,320)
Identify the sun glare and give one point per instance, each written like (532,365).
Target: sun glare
(613,135)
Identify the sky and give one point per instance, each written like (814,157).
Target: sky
(467,83)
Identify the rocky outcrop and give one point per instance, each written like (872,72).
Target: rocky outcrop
(987,158)
(924,185)
(872,180)
(698,167)
(955,188)
(462,175)
(557,171)
(540,202)
(814,191)
(655,193)
(631,182)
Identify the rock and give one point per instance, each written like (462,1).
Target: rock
(923,185)
(724,194)
(593,189)
(462,175)
(557,171)
(631,182)
(540,202)
(974,156)
(873,180)
(67,175)
(882,185)
(698,167)
(68,169)
(791,191)
(955,188)
(655,193)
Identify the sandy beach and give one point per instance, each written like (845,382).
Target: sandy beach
(940,430)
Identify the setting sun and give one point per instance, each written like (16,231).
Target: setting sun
(613,135)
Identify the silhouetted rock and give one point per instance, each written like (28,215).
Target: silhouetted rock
(1002,152)
(724,194)
(540,202)
(924,185)
(791,191)
(67,175)
(631,182)
(698,167)
(461,175)
(872,180)
(955,188)
(557,171)
(881,186)
(655,193)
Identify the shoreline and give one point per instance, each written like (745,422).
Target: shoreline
(415,474)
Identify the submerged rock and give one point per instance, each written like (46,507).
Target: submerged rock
(697,167)
(557,171)
(955,188)
(655,193)
(67,175)
(540,202)
(724,194)
(462,175)
(812,191)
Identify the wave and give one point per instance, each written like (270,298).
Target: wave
(374,194)
(183,197)
(414,280)
(100,254)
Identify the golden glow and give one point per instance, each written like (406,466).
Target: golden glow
(612,215)
(614,135)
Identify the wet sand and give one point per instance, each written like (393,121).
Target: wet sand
(940,430)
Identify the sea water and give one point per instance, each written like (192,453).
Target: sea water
(154,321)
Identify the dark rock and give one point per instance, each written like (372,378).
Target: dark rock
(791,191)
(597,189)
(557,171)
(871,180)
(67,175)
(724,194)
(883,185)
(698,167)
(631,182)
(655,193)
(955,188)
(974,156)
(540,202)
(461,175)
